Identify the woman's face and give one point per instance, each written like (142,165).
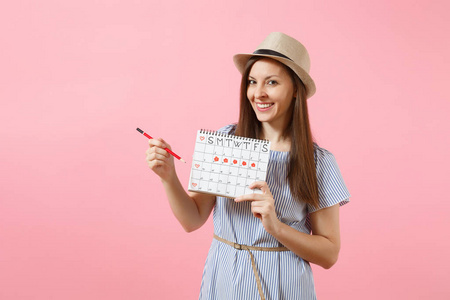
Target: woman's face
(270,91)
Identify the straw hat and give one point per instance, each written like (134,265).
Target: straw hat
(286,50)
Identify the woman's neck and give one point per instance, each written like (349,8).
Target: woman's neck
(279,142)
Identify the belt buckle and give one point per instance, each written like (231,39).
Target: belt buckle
(237,246)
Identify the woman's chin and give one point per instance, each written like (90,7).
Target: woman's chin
(263,117)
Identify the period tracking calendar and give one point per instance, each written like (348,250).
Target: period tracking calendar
(225,165)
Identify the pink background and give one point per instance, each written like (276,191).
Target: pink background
(81,215)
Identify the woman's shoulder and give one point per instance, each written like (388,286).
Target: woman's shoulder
(228,129)
(321,151)
(323,156)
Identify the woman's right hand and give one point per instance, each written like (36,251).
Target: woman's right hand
(159,160)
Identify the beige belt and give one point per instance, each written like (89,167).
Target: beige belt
(248,248)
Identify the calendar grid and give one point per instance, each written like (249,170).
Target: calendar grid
(226,165)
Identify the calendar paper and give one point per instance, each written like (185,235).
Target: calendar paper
(225,165)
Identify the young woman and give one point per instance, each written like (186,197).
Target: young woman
(263,243)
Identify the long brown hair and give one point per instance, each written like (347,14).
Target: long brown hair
(302,170)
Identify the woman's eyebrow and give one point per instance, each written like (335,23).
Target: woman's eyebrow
(270,76)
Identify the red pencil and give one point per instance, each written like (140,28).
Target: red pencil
(167,149)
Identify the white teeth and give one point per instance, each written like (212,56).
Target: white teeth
(262,105)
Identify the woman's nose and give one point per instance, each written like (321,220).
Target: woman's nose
(260,91)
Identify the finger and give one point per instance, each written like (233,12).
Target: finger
(157,156)
(153,164)
(262,185)
(261,208)
(165,143)
(257,209)
(258,215)
(249,197)
(158,150)
(258,184)
(158,143)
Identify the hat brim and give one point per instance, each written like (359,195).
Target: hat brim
(240,60)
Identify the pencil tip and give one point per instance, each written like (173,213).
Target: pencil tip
(182,160)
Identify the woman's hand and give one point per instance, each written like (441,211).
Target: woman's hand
(159,160)
(321,247)
(263,206)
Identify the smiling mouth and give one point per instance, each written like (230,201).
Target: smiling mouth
(264,105)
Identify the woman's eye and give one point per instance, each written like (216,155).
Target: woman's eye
(251,81)
(271,82)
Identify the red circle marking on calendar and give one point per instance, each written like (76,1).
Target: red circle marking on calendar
(244,163)
(225,160)
(253,165)
(234,161)
(216,158)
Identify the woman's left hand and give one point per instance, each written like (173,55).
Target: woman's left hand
(263,206)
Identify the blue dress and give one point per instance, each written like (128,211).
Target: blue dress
(228,272)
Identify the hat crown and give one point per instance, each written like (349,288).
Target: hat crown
(288,46)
